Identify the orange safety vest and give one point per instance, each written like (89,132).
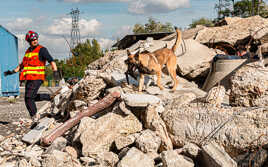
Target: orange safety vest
(33,68)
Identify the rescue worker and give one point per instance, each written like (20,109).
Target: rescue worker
(32,70)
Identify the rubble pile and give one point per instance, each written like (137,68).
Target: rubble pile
(156,128)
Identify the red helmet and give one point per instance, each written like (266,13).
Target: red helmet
(31,35)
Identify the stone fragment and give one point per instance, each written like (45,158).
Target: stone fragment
(58,144)
(100,135)
(71,151)
(215,155)
(124,141)
(148,141)
(191,150)
(135,158)
(215,96)
(154,122)
(141,100)
(108,159)
(249,87)
(60,159)
(85,123)
(172,159)
(35,162)
(79,104)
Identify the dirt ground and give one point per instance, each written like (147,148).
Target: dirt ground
(12,113)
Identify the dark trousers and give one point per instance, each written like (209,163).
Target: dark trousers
(31,96)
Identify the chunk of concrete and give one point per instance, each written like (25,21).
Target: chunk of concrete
(141,100)
(34,135)
(214,155)
(148,141)
(134,158)
(172,159)
(124,141)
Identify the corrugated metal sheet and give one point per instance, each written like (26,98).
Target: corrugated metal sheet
(9,85)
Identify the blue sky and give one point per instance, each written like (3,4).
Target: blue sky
(105,20)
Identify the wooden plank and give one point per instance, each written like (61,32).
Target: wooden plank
(34,135)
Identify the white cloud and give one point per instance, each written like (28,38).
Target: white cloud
(63,27)
(143,6)
(60,27)
(156,6)
(124,30)
(88,1)
(20,24)
(89,26)
(105,43)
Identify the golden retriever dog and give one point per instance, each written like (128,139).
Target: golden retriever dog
(152,63)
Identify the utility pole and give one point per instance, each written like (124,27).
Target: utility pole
(75,32)
(253,7)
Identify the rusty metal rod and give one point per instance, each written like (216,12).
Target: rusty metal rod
(91,110)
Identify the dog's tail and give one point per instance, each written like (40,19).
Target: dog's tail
(178,40)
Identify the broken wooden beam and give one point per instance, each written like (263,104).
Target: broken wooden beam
(99,106)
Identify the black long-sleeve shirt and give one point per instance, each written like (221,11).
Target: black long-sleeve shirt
(43,54)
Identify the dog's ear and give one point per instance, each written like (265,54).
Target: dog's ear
(128,52)
(137,55)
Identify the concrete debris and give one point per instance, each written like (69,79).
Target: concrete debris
(58,144)
(124,141)
(34,135)
(100,136)
(237,31)
(172,159)
(234,128)
(202,56)
(148,141)
(215,155)
(154,122)
(225,126)
(140,100)
(191,150)
(135,157)
(249,87)
(215,96)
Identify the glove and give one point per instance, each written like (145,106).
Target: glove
(8,72)
(56,75)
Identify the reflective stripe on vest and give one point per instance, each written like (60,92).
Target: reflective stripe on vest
(33,68)
(29,55)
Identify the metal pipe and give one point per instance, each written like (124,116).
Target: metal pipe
(91,110)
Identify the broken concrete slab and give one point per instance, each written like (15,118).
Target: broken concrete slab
(195,121)
(34,135)
(215,155)
(103,132)
(140,100)
(153,121)
(237,31)
(196,60)
(249,86)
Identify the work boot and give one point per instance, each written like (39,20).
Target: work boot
(35,120)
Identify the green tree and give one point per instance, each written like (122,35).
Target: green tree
(85,53)
(242,8)
(245,8)
(202,21)
(152,26)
